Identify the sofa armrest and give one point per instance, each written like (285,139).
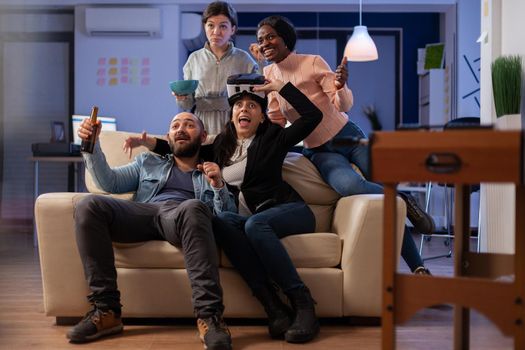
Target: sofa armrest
(64,285)
(358,220)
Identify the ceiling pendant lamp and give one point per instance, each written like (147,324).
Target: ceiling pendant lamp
(360,46)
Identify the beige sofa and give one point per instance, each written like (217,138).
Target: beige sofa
(341,262)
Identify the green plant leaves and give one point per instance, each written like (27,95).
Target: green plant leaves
(507,73)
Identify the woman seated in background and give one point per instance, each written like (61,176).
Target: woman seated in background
(251,151)
(276,39)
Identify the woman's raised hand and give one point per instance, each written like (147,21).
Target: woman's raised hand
(179,97)
(341,74)
(256,53)
(270,85)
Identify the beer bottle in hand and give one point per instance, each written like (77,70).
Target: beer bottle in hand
(88,145)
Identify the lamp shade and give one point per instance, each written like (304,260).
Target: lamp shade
(361,47)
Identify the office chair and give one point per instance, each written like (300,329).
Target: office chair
(458,123)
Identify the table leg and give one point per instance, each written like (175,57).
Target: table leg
(461,247)
(519,269)
(389,267)
(461,328)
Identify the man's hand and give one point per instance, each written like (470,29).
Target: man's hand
(341,74)
(136,141)
(212,172)
(85,130)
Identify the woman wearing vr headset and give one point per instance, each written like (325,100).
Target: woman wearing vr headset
(251,152)
(276,39)
(212,65)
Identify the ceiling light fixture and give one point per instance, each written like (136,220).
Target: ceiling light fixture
(360,46)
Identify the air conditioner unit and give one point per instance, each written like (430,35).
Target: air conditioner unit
(123,21)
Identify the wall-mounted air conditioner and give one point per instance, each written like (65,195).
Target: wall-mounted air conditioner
(123,21)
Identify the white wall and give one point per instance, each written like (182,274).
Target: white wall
(502,21)
(513,34)
(140,99)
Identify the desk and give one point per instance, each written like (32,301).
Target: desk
(462,158)
(75,160)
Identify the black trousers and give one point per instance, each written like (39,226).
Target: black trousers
(101,220)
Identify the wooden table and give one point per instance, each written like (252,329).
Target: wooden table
(462,158)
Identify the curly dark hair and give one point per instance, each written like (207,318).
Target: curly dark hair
(284,28)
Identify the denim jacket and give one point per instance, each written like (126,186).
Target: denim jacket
(147,175)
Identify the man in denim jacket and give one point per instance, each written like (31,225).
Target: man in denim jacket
(175,198)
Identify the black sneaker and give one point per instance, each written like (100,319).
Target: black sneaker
(423,223)
(97,323)
(214,333)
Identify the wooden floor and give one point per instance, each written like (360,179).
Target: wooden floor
(23,324)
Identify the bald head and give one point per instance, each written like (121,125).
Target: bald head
(186,134)
(187,116)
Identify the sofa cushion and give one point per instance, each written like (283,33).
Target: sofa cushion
(111,144)
(150,254)
(309,250)
(323,217)
(306,250)
(314,249)
(303,176)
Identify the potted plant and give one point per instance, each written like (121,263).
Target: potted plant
(371,114)
(507,72)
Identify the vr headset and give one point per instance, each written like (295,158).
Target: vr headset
(239,85)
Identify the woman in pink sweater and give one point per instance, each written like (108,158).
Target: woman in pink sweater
(276,38)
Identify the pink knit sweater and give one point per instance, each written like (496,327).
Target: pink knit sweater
(312,75)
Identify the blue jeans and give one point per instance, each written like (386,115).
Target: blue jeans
(253,243)
(409,251)
(333,163)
